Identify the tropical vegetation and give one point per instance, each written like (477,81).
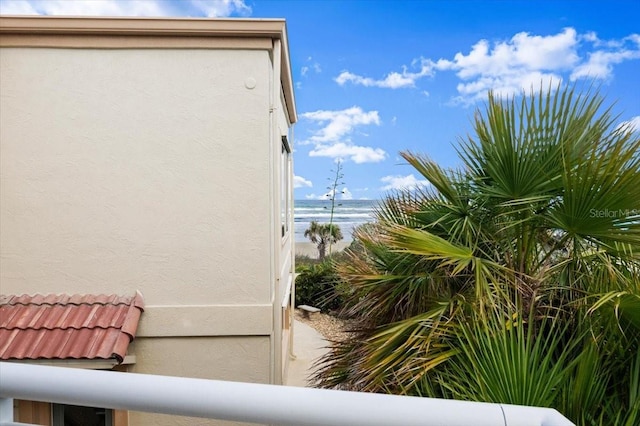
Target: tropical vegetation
(323,235)
(514,279)
(318,284)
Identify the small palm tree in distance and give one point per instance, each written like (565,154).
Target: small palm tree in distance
(322,235)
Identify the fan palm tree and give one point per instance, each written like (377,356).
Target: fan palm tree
(515,279)
(323,235)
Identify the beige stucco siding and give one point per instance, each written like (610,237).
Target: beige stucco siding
(145,154)
(221,358)
(243,359)
(136,169)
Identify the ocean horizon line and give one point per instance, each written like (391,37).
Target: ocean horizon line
(347,214)
(337,201)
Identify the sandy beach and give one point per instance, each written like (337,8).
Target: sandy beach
(311,250)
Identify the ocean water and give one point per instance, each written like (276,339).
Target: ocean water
(347,214)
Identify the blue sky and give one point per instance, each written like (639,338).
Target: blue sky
(377,77)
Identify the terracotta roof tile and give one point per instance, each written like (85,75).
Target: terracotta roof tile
(79,326)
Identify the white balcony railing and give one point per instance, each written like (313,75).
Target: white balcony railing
(250,402)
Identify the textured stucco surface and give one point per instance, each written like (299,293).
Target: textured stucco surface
(150,170)
(135,169)
(222,358)
(243,359)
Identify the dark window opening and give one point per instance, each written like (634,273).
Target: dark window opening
(75,415)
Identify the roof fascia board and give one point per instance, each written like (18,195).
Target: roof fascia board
(286,77)
(11,26)
(93,364)
(271,28)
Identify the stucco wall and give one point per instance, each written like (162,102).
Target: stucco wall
(126,167)
(223,358)
(136,169)
(149,170)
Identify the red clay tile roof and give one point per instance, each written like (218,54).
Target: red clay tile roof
(68,327)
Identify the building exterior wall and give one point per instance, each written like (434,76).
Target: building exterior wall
(139,169)
(153,169)
(218,358)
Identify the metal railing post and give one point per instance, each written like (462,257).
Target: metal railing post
(6,410)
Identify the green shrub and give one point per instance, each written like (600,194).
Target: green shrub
(319,285)
(303,262)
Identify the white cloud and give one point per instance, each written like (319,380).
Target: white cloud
(300,182)
(208,8)
(592,37)
(523,53)
(393,80)
(333,138)
(16,7)
(215,8)
(600,63)
(318,197)
(311,66)
(355,153)
(504,85)
(633,124)
(339,124)
(520,63)
(398,182)
(508,67)
(344,194)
